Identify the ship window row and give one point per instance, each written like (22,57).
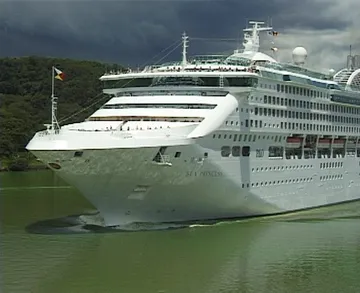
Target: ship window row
(277,182)
(271,100)
(157,106)
(302,126)
(279,152)
(290,153)
(254,123)
(282,168)
(311,153)
(331,165)
(317,127)
(145,118)
(235,151)
(248,137)
(193,159)
(177,92)
(326,153)
(295,90)
(191,80)
(331,177)
(259,111)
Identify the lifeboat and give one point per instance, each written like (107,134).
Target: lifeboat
(293,142)
(338,143)
(324,143)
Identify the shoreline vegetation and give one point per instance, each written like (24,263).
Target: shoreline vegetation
(22,162)
(25,103)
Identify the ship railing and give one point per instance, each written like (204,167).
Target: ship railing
(127,135)
(45,133)
(192,68)
(92,130)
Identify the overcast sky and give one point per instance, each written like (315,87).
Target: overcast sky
(132,32)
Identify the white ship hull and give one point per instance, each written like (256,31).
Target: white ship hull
(126,186)
(228,137)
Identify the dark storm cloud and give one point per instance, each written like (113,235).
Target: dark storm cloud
(131,32)
(310,15)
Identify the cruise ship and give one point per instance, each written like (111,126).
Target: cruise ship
(214,137)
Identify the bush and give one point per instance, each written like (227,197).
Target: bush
(19,164)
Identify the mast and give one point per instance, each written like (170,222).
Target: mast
(185,46)
(54,123)
(251,37)
(350,60)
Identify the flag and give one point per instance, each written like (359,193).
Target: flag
(59,74)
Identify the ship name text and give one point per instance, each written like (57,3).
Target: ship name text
(204,174)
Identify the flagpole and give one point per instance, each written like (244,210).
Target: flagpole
(52,99)
(52,82)
(54,123)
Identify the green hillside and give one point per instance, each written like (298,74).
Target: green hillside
(25,89)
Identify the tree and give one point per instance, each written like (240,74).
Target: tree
(25,89)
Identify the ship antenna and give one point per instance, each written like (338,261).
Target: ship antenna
(350,60)
(251,37)
(185,46)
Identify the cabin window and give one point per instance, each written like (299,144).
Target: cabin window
(127,83)
(177,154)
(235,151)
(246,151)
(286,77)
(225,151)
(242,81)
(276,152)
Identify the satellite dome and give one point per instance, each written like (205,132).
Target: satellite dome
(331,72)
(299,55)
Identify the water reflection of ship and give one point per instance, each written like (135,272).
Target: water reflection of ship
(234,257)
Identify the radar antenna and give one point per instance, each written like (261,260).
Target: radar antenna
(251,36)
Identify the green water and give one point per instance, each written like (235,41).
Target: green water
(276,255)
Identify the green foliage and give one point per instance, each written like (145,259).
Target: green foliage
(25,90)
(19,164)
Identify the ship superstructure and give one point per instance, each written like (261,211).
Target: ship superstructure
(214,137)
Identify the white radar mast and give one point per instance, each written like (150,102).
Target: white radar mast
(251,37)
